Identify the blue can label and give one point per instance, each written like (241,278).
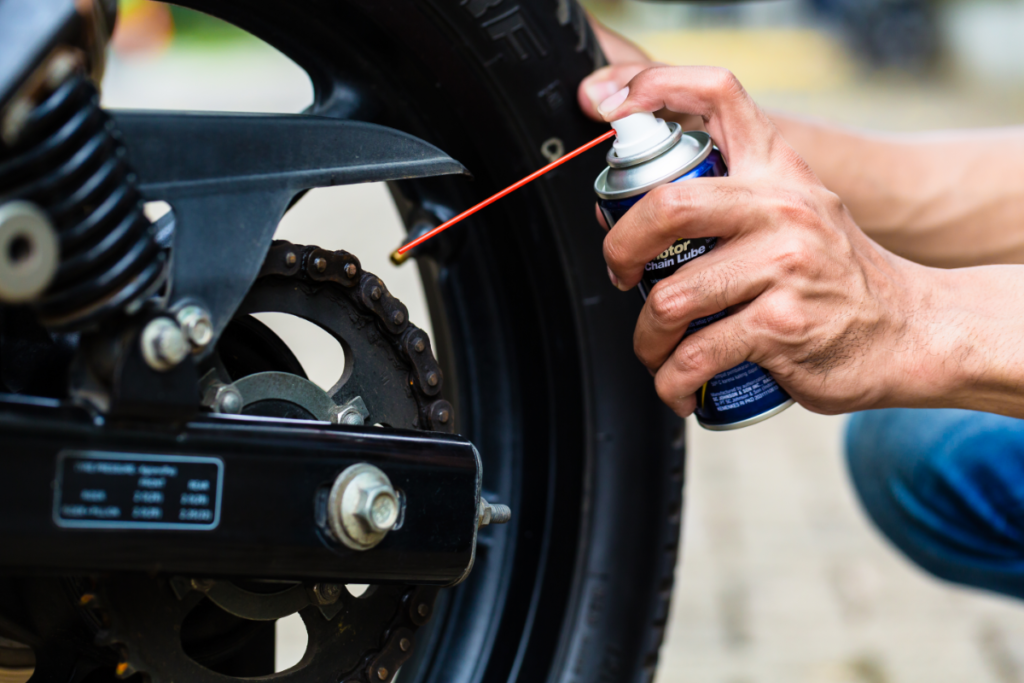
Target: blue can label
(733,398)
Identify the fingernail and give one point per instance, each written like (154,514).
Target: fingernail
(615,280)
(613,102)
(599,92)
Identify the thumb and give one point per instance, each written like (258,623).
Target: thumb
(595,88)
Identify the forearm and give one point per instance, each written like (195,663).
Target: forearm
(962,347)
(944,199)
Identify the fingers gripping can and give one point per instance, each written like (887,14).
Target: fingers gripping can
(648,153)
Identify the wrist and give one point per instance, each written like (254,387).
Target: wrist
(961,344)
(928,338)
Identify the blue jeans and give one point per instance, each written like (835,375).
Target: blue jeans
(947,488)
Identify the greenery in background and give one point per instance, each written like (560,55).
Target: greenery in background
(195,27)
(192,28)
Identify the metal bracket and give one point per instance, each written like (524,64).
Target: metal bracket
(230,178)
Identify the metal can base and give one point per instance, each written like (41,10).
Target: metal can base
(749,421)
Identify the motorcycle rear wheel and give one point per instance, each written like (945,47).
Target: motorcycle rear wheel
(534,342)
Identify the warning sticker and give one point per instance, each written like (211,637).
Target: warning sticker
(104,490)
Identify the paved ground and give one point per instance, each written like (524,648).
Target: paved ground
(782,578)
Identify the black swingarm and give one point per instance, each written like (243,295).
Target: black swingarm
(235,496)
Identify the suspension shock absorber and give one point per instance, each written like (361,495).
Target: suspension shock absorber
(68,161)
(75,244)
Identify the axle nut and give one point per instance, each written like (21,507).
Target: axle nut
(362,507)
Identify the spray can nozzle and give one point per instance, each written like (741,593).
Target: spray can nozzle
(638,133)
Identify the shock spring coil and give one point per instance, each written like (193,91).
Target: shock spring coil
(69,160)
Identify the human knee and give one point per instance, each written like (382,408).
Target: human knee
(942,484)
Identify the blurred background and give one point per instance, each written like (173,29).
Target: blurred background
(782,578)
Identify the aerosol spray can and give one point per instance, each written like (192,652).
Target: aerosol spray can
(648,153)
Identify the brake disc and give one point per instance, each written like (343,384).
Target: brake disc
(391,369)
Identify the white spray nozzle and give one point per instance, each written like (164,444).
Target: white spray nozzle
(638,133)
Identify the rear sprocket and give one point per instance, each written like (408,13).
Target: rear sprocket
(185,628)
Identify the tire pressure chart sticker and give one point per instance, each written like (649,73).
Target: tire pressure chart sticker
(103,490)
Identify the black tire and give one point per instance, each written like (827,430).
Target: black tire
(535,343)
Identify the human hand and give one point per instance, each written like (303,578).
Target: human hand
(839,322)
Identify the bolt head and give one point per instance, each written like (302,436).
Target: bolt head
(492,514)
(164,345)
(433,379)
(423,609)
(382,673)
(228,400)
(349,415)
(443,416)
(419,345)
(327,593)
(351,270)
(378,508)
(376,293)
(352,417)
(196,324)
(397,318)
(320,264)
(290,259)
(362,506)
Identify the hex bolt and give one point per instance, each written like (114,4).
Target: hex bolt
(320,264)
(196,324)
(419,345)
(351,270)
(327,593)
(493,513)
(404,644)
(362,506)
(290,259)
(228,400)
(397,318)
(351,417)
(378,508)
(163,344)
(353,413)
(500,514)
(433,379)
(382,673)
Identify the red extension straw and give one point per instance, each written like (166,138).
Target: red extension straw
(398,256)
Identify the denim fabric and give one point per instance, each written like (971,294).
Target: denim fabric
(947,487)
